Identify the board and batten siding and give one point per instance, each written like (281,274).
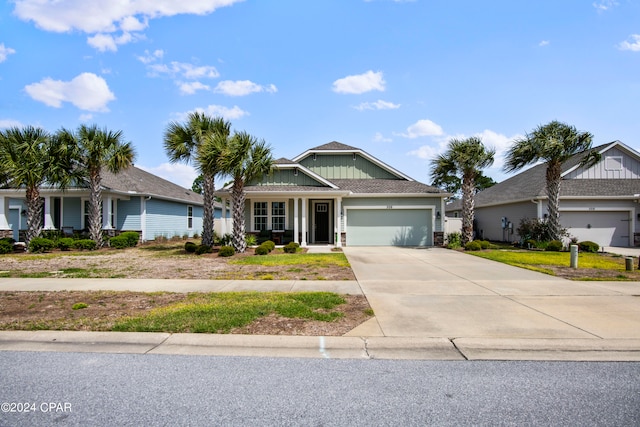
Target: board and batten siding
(168,219)
(615,164)
(288,177)
(343,166)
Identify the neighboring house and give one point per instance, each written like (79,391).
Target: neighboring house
(598,203)
(133,200)
(340,195)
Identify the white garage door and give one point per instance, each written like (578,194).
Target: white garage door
(389,227)
(604,228)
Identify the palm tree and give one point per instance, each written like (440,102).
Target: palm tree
(465,158)
(200,141)
(97,149)
(246,159)
(553,143)
(29,158)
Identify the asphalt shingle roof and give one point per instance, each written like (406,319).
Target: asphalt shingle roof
(384,186)
(145,183)
(333,146)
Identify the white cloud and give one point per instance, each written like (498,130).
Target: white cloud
(100,18)
(189,88)
(86,91)
(5,52)
(8,123)
(178,173)
(242,88)
(423,127)
(378,105)
(150,57)
(185,70)
(360,83)
(216,111)
(86,117)
(544,43)
(604,5)
(632,44)
(378,137)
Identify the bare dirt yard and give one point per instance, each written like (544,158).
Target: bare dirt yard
(54,310)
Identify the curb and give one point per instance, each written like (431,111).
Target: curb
(344,347)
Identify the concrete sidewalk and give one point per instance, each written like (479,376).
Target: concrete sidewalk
(429,303)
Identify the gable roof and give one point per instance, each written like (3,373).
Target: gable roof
(335,147)
(135,181)
(531,183)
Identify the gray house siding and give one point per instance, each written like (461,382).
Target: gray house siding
(616,163)
(488,222)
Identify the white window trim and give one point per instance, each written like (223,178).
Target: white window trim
(269,215)
(189,217)
(618,160)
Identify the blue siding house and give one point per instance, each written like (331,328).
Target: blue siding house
(132,200)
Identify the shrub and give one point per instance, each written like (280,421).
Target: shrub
(5,247)
(536,229)
(226,251)
(472,246)
(588,246)
(65,243)
(454,240)
(291,247)
(190,247)
(119,242)
(269,245)
(79,306)
(203,249)
(530,243)
(251,239)
(132,237)
(85,244)
(41,244)
(484,244)
(261,250)
(555,246)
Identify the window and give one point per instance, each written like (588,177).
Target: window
(277,216)
(260,216)
(190,217)
(613,163)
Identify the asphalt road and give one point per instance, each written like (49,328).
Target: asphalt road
(129,389)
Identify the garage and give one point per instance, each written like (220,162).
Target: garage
(606,228)
(389,227)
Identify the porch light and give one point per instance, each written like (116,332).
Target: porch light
(314,157)
(295,171)
(354,157)
(438,215)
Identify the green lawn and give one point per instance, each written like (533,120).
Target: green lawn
(320,260)
(222,312)
(538,260)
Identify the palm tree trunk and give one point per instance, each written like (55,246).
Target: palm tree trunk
(34,214)
(468,187)
(239,242)
(95,204)
(554,177)
(208,188)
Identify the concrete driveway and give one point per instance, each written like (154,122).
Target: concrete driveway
(437,292)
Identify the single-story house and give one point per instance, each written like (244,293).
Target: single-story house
(339,195)
(597,203)
(133,200)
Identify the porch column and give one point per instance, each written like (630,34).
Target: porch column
(48,219)
(4,211)
(304,222)
(338,241)
(223,219)
(296,228)
(106,213)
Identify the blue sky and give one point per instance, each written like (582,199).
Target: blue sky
(395,78)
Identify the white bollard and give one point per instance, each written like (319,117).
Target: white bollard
(574,256)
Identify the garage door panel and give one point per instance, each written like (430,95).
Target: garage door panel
(605,228)
(388,227)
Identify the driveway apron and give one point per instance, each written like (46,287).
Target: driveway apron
(435,292)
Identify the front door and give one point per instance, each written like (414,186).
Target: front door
(321,228)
